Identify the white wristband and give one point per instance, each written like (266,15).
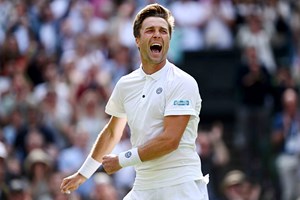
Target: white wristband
(89,166)
(129,158)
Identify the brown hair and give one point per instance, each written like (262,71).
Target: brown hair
(152,10)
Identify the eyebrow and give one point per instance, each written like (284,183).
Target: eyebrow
(153,27)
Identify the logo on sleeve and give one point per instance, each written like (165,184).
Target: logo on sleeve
(181,102)
(128,154)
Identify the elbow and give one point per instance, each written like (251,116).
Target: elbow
(172,145)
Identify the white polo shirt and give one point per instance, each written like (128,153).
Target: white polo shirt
(145,100)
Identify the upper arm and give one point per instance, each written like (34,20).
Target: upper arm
(174,127)
(116,126)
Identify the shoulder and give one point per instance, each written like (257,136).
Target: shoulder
(131,77)
(178,76)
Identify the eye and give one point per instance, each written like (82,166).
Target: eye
(149,30)
(164,31)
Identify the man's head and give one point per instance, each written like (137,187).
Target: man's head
(152,10)
(290,101)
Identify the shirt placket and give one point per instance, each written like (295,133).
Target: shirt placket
(146,88)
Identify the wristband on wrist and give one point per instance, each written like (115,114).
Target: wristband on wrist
(89,166)
(129,158)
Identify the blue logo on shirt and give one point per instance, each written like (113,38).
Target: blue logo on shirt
(159,90)
(181,102)
(128,154)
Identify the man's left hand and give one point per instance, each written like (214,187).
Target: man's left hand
(111,163)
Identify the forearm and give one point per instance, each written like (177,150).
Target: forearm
(106,141)
(157,147)
(167,141)
(104,144)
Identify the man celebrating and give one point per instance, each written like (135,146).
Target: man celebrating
(161,105)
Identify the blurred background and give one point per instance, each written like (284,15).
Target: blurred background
(60,60)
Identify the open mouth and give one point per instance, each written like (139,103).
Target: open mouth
(155,48)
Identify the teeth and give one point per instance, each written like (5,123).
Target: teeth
(155,44)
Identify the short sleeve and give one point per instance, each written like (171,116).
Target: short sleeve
(183,98)
(115,104)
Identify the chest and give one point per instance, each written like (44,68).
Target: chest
(145,101)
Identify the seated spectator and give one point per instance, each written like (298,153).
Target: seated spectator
(214,155)
(54,189)
(71,158)
(3,172)
(91,115)
(10,130)
(104,188)
(34,133)
(18,189)
(237,186)
(38,166)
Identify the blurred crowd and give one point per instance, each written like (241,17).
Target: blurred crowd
(60,60)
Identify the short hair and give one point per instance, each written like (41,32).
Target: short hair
(152,10)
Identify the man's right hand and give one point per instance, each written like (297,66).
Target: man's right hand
(72,182)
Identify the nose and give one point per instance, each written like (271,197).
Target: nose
(156,34)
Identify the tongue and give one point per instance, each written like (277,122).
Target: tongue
(155,51)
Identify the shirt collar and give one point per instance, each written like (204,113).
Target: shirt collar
(158,74)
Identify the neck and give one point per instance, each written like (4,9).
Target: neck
(151,68)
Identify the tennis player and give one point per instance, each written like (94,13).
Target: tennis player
(161,104)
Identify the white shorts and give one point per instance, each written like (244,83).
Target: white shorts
(193,190)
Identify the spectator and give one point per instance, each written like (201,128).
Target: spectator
(6,7)
(19,26)
(69,159)
(282,79)
(57,115)
(237,186)
(219,19)
(13,126)
(18,189)
(54,190)
(43,135)
(253,34)
(252,114)
(48,33)
(286,140)
(38,166)
(4,190)
(36,67)
(120,64)
(91,116)
(215,156)
(85,55)
(53,80)
(18,94)
(120,29)
(104,188)
(189,26)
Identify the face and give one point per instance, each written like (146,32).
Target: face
(154,40)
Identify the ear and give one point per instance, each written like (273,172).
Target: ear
(137,42)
